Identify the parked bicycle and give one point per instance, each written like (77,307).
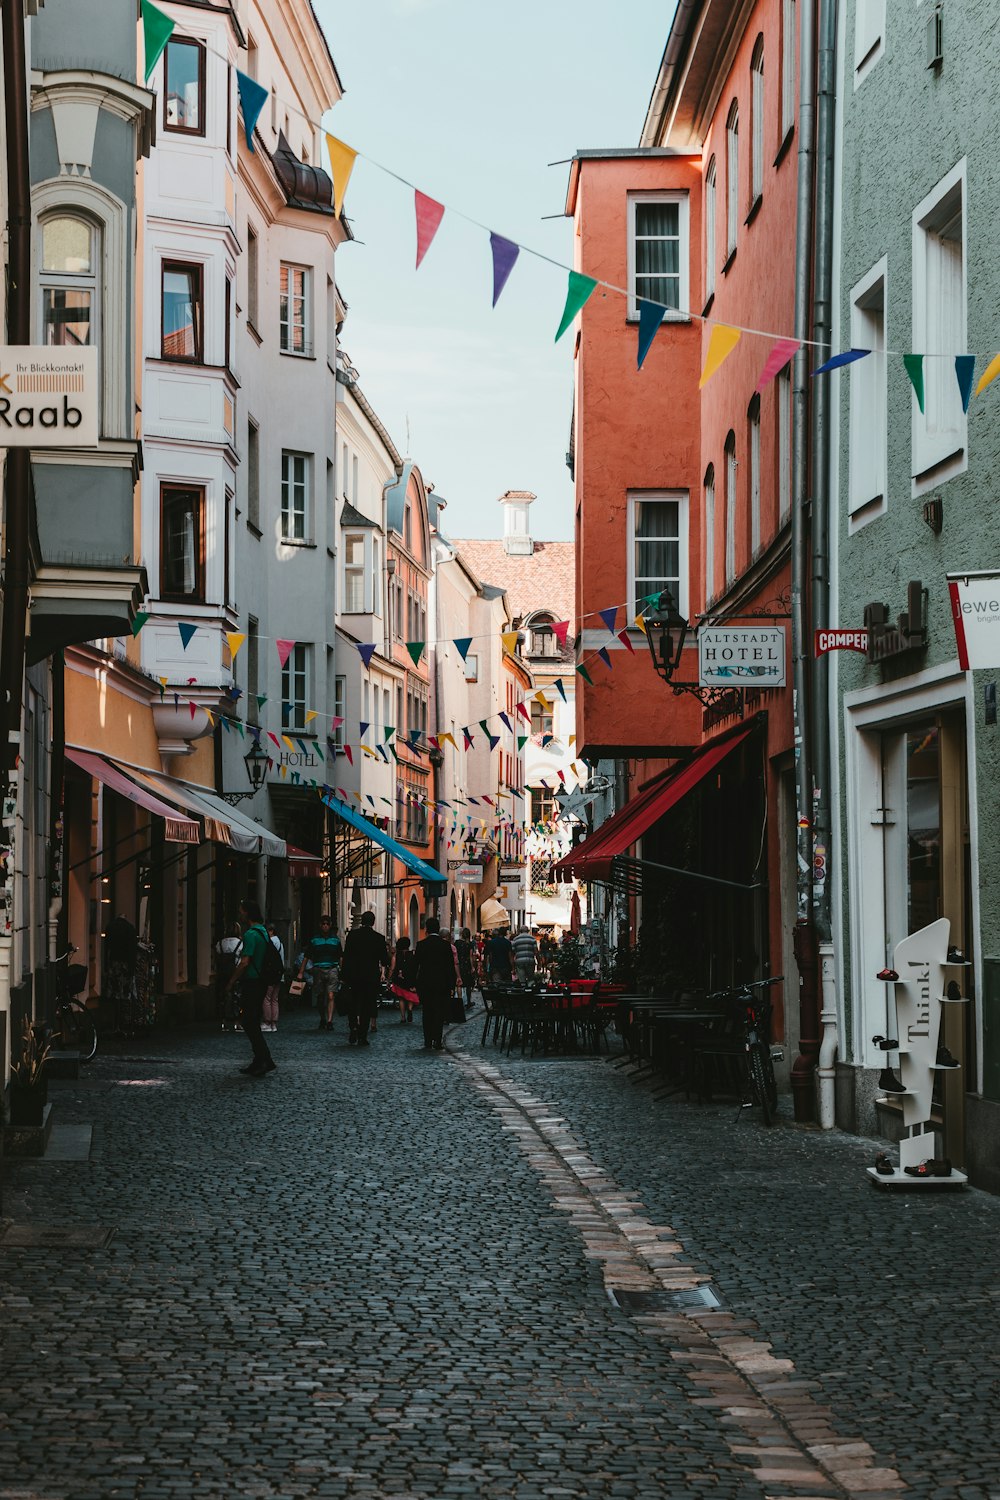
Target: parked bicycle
(75,1028)
(759,1080)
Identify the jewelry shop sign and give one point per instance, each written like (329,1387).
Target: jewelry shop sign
(48,397)
(741,656)
(975,609)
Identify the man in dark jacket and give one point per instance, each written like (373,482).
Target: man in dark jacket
(435,980)
(366,958)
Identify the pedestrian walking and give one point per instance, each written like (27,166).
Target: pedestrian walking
(366,959)
(325,953)
(273,995)
(455,1009)
(122,948)
(401,982)
(525,950)
(435,982)
(466,960)
(227,951)
(254,972)
(499,958)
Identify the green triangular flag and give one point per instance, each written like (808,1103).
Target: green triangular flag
(585,675)
(915,369)
(239,726)
(261,699)
(390,730)
(416,650)
(156,30)
(578,290)
(522,740)
(140,619)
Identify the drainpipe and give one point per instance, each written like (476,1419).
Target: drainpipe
(821,523)
(804,936)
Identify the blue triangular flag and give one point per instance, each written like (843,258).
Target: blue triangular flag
(186,631)
(842,359)
(610,617)
(363,728)
(965,373)
(605,656)
(560,689)
(366,650)
(505,253)
(253,97)
(504,720)
(462,645)
(651,315)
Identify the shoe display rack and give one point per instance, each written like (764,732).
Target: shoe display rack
(917,985)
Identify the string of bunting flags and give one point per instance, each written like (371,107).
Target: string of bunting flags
(429,213)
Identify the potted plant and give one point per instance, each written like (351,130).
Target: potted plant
(28,1088)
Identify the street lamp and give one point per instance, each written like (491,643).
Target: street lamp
(255,761)
(471,847)
(666,632)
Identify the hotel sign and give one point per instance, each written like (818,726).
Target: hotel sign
(741,656)
(48,397)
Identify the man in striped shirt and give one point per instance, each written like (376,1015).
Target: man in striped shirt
(525,953)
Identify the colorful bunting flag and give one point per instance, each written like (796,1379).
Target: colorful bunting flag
(522,740)
(156,29)
(582,670)
(494,740)
(342,159)
(651,315)
(235,639)
(261,700)
(505,253)
(186,633)
(623,637)
(253,97)
(462,645)
(469,741)
(560,629)
(366,650)
(274,738)
(914,366)
(579,289)
(349,754)
(363,728)
(504,720)
(163,685)
(640,624)
(288,742)
(522,709)
(509,638)
(284,649)
(989,375)
(722,341)
(141,617)
(390,730)
(838,360)
(416,650)
(605,656)
(429,215)
(193,709)
(484,726)
(965,373)
(310,715)
(560,689)
(610,617)
(782,350)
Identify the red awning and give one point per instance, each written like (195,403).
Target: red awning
(177,828)
(591,860)
(303,866)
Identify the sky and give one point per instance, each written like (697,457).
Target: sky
(470,101)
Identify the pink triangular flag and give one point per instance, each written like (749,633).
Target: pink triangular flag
(284,650)
(429,216)
(560,629)
(781,352)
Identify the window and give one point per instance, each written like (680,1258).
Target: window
(471,665)
(181,326)
(869,36)
(228,339)
(294,496)
(757,122)
(376,578)
(339,709)
(709,533)
(541,718)
(789,66)
(939,325)
(543,805)
(730,507)
(354,574)
(253,475)
(228,596)
(868,393)
(70,258)
(252,57)
(253,669)
(710,223)
(184,86)
(294,311)
(253,271)
(543,638)
(658,256)
(408,529)
(753,436)
(732,178)
(295,687)
(657,527)
(182,543)
(784,443)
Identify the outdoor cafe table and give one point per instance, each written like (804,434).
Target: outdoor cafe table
(662,1032)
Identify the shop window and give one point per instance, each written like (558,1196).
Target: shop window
(182,543)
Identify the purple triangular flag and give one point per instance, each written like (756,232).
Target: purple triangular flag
(651,315)
(609,616)
(505,253)
(366,650)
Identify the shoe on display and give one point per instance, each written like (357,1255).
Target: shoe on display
(888,1044)
(946,1060)
(955,956)
(952,991)
(923,1170)
(940,1167)
(890,1084)
(884,1166)
(887,974)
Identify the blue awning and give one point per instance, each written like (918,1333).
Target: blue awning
(409,859)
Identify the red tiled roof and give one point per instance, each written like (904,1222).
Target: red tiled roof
(545,580)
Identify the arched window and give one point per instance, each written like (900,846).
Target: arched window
(757,121)
(730,507)
(543,638)
(753,443)
(709,533)
(710,223)
(732,176)
(71,257)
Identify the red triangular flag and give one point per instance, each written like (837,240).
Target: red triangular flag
(623,637)
(560,629)
(429,216)
(284,650)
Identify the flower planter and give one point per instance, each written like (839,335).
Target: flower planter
(27,1102)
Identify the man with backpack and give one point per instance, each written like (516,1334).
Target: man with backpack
(258,968)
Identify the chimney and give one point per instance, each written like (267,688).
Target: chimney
(516,525)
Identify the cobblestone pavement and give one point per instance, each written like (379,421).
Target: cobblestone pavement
(389,1273)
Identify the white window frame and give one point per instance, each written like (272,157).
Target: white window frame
(783,398)
(356,570)
(789,66)
(757,122)
(289,509)
(732,179)
(753,443)
(711,226)
(709,533)
(339,708)
(298,667)
(869,397)
(732,500)
(940,432)
(471,666)
(253,277)
(682,500)
(287,327)
(869,37)
(682,200)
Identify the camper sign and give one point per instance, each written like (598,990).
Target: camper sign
(48,396)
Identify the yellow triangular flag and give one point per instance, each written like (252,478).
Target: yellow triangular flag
(509,638)
(572,739)
(721,344)
(282,770)
(288,742)
(211,720)
(449,737)
(310,715)
(235,639)
(342,160)
(640,624)
(541,698)
(989,375)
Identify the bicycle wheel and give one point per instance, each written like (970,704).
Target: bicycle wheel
(86,1038)
(762,1079)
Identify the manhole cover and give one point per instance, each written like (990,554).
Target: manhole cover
(54,1237)
(696,1298)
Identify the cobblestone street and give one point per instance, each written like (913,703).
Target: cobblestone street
(393,1273)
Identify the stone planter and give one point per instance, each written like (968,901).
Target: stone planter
(27,1102)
